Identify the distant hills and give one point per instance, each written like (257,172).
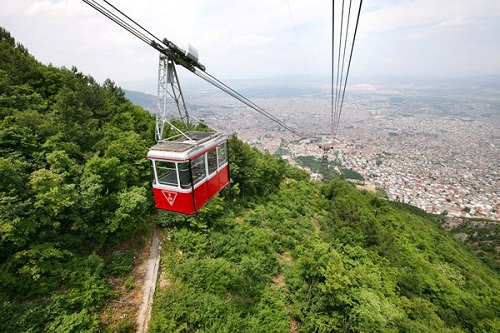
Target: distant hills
(147,101)
(302,85)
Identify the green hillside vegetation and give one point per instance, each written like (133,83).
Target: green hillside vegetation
(328,170)
(74,184)
(482,236)
(295,256)
(273,253)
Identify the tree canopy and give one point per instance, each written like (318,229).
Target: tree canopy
(74,180)
(296,256)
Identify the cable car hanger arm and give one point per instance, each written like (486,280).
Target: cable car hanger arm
(186,58)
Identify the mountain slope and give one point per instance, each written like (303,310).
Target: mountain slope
(147,101)
(307,257)
(74,184)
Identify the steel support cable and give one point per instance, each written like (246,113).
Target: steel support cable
(332,124)
(337,90)
(113,17)
(131,20)
(341,98)
(202,74)
(350,57)
(142,35)
(300,46)
(233,93)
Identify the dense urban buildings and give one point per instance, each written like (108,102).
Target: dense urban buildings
(434,146)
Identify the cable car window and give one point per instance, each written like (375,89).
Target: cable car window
(167,173)
(212,161)
(198,169)
(153,176)
(222,153)
(184,175)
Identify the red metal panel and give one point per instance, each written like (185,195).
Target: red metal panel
(224,176)
(211,187)
(201,194)
(174,201)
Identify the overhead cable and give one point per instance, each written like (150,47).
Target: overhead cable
(350,58)
(222,86)
(339,69)
(300,46)
(115,18)
(147,37)
(339,96)
(341,81)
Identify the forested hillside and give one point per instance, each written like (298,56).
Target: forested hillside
(73,183)
(295,256)
(273,253)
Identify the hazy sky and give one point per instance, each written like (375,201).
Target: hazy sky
(258,38)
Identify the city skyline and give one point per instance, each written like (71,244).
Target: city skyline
(434,147)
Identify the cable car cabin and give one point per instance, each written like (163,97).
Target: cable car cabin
(188,173)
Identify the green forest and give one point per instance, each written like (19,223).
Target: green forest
(74,184)
(274,252)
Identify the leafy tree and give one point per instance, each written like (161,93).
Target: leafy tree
(74,179)
(257,175)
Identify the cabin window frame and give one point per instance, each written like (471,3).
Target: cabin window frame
(198,166)
(182,171)
(192,172)
(154,178)
(185,179)
(212,168)
(222,154)
(167,179)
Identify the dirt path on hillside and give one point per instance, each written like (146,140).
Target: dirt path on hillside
(152,267)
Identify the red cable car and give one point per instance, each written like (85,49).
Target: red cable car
(192,167)
(189,170)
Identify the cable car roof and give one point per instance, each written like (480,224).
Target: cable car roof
(186,147)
